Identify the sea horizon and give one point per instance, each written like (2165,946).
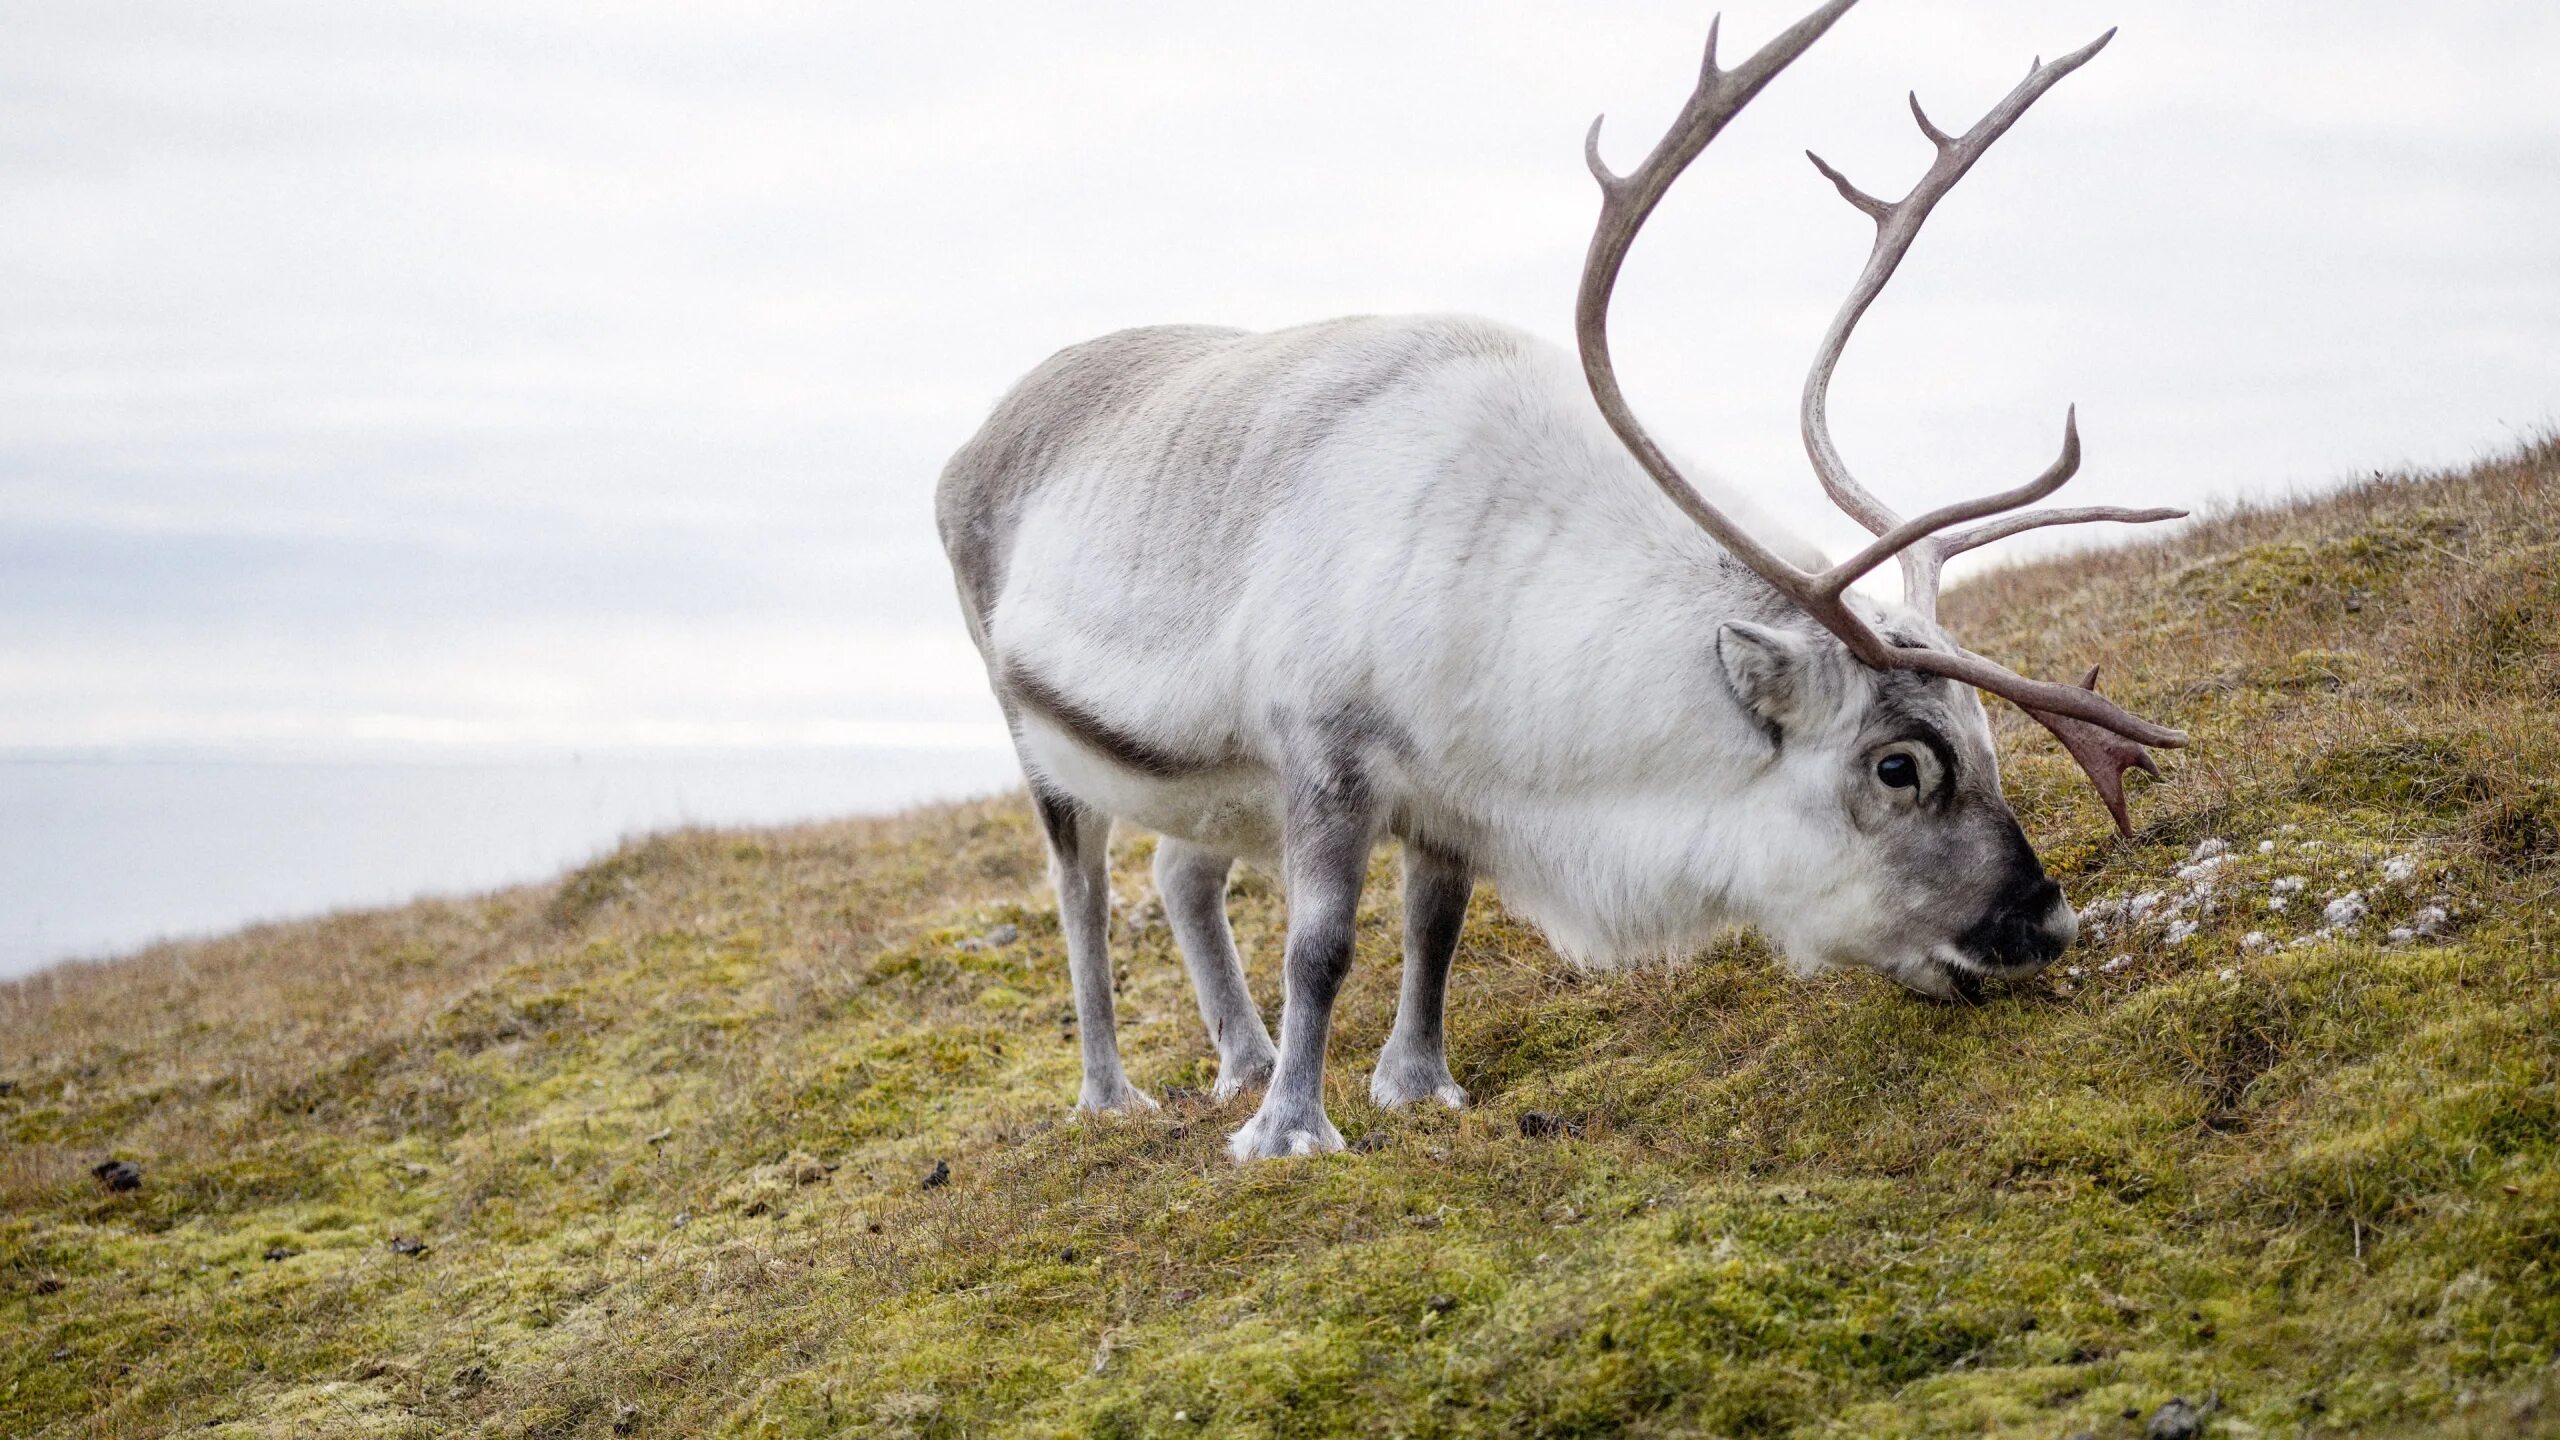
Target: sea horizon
(106,850)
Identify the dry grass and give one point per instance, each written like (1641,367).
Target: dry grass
(663,1127)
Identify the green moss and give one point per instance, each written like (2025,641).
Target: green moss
(664,1130)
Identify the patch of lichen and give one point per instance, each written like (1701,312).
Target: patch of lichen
(663,1130)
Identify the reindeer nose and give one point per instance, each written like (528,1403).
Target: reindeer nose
(2030,928)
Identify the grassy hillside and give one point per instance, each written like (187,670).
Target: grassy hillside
(647,1151)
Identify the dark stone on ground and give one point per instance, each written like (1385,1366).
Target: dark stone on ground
(408,1245)
(118,1174)
(2176,1420)
(941,1175)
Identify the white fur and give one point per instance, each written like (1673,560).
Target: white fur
(1573,734)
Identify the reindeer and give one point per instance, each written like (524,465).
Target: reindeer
(1280,596)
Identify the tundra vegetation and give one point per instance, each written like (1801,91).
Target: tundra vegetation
(764,1134)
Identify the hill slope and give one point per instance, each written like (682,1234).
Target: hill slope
(663,1129)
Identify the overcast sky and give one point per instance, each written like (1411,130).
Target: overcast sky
(578,373)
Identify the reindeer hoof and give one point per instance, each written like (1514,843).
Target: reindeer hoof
(1245,1072)
(1124,1099)
(1398,1083)
(1272,1135)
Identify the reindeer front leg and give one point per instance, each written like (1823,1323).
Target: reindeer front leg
(1328,825)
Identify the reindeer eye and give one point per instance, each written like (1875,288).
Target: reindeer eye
(1899,771)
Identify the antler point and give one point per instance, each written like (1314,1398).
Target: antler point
(1707,64)
(1600,171)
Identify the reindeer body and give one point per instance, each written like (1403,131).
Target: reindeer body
(1198,561)
(1281,596)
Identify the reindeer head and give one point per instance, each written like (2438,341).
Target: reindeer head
(1949,887)
(1885,840)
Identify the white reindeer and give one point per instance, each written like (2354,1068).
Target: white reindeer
(1278,596)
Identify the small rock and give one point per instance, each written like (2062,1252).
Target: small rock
(2289,884)
(2429,920)
(2402,935)
(1067,1256)
(2116,963)
(2229,974)
(940,1175)
(118,1174)
(661,1138)
(1003,935)
(2347,909)
(280,1252)
(2399,869)
(2180,932)
(2208,849)
(2176,1420)
(2266,847)
(408,1245)
(683,1218)
(1441,1304)
(2255,939)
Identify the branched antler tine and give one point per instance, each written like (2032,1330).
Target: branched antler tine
(2104,739)
(1626,202)
(2077,701)
(1600,171)
(1875,209)
(2103,756)
(1911,533)
(1895,230)
(1956,542)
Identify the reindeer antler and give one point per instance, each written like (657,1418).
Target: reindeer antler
(2105,739)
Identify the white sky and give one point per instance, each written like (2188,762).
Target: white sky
(578,373)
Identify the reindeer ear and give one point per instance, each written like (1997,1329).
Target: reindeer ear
(1767,671)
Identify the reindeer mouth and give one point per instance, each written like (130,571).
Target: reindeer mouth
(1951,976)
(1965,983)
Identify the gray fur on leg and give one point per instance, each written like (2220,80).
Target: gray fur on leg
(1414,1064)
(1325,839)
(1193,884)
(1079,865)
